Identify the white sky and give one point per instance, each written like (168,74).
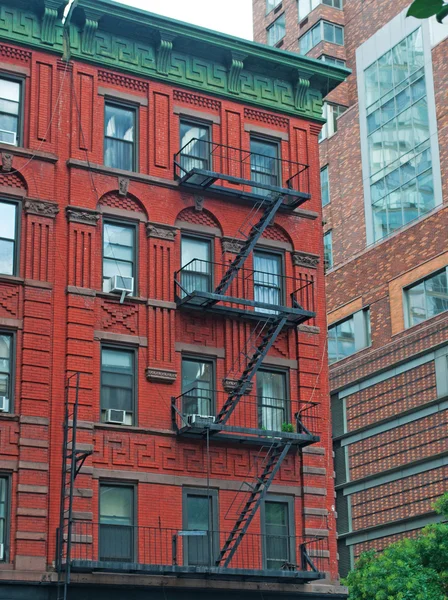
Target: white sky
(229,16)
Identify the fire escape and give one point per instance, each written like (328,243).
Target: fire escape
(244,294)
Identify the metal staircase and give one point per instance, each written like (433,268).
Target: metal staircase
(269,468)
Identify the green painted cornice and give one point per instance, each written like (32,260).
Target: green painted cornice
(119,37)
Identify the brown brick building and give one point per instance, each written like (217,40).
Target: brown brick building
(384,184)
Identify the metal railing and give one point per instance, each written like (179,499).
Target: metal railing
(234,164)
(264,415)
(124,546)
(262,292)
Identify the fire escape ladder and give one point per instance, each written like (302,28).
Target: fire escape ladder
(266,339)
(270,467)
(72,462)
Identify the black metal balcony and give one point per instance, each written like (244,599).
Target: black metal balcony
(186,553)
(240,173)
(253,294)
(255,420)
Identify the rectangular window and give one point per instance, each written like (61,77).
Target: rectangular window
(398,137)
(278,541)
(349,336)
(10,109)
(6,366)
(264,164)
(272,400)
(117,385)
(117,537)
(8,237)
(330,112)
(332,60)
(197,387)
(195,146)
(277,30)
(323,31)
(328,250)
(306,6)
(271,4)
(4,506)
(268,279)
(120,137)
(119,252)
(200,515)
(427,298)
(196,264)
(325,186)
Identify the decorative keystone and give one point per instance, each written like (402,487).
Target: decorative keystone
(76,214)
(305,259)
(161,375)
(43,209)
(198,203)
(236,65)
(123,186)
(301,89)
(164,52)
(7,159)
(163,232)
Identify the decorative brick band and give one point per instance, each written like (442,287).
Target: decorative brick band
(263,117)
(123,81)
(15,53)
(161,375)
(305,259)
(43,209)
(195,100)
(76,214)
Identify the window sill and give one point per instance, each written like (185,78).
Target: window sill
(11,279)
(424,323)
(4,416)
(132,299)
(133,429)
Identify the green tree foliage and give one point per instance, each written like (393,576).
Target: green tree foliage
(423,9)
(411,569)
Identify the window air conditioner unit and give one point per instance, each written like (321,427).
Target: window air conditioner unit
(4,404)
(119,285)
(115,416)
(200,420)
(2,551)
(8,137)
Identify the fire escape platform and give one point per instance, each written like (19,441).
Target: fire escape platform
(271,575)
(203,179)
(198,300)
(246,435)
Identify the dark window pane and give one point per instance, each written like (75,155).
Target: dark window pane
(267,279)
(197,387)
(196,265)
(271,392)
(277,534)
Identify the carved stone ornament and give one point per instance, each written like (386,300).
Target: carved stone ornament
(199,203)
(49,19)
(164,51)
(236,65)
(163,232)
(305,259)
(76,214)
(230,384)
(301,90)
(43,209)
(7,159)
(123,186)
(231,245)
(161,375)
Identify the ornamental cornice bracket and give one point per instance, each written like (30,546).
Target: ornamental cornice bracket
(305,259)
(92,19)
(236,65)
(41,208)
(301,89)
(164,52)
(86,216)
(160,231)
(49,19)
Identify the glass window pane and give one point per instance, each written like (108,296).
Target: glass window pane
(329,32)
(6,106)
(8,220)
(119,123)
(400,62)
(10,90)
(328,250)
(425,192)
(117,359)
(372,84)
(316,34)
(8,129)
(415,49)
(6,257)
(346,338)
(436,291)
(339,35)
(118,154)
(417,304)
(116,505)
(324,184)
(385,73)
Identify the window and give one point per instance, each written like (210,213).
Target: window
(119,137)
(196,264)
(197,387)
(264,164)
(398,137)
(349,336)
(194,146)
(306,6)
(427,298)
(119,249)
(200,514)
(272,400)
(118,383)
(325,186)
(278,543)
(8,238)
(323,31)
(277,30)
(117,538)
(6,349)
(271,4)
(332,60)
(10,100)
(331,112)
(267,279)
(328,250)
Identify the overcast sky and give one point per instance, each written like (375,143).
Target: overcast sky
(229,16)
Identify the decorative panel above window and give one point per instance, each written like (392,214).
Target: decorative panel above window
(323,31)
(120,147)
(427,298)
(277,30)
(349,336)
(10,111)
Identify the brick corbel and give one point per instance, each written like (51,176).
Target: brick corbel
(41,208)
(86,216)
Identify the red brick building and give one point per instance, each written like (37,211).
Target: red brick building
(162,311)
(384,180)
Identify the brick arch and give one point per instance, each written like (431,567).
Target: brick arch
(203,217)
(277,234)
(129,202)
(13,179)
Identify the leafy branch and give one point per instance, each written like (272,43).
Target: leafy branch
(423,9)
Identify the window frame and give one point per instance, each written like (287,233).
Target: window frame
(326,169)
(134,351)
(311,8)
(289,501)
(271,26)
(281,255)
(192,235)
(329,235)
(320,24)
(406,304)
(12,373)
(333,60)
(119,484)
(7,477)
(109,219)
(204,359)
(213,494)
(359,317)
(328,129)
(17,236)
(193,121)
(134,108)
(21,113)
(277,3)
(285,373)
(273,141)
